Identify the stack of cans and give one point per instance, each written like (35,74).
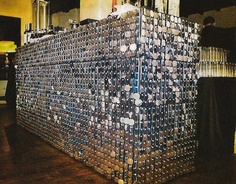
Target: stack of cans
(117,94)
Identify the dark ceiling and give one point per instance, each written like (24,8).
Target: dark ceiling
(187,7)
(63,5)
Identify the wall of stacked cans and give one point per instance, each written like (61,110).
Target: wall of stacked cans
(116,94)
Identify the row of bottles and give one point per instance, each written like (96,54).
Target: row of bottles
(31,36)
(216,69)
(213,62)
(213,54)
(41,22)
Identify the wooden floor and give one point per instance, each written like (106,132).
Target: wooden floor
(25,159)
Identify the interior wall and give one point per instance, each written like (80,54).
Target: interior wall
(21,9)
(62,18)
(225,18)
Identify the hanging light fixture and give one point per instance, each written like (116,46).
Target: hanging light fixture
(7,47)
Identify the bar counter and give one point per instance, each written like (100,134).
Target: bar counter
(116,94)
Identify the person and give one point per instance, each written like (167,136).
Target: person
(212,36)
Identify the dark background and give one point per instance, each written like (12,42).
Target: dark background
(9,31)
(188,7)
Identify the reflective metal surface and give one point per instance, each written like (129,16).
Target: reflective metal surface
(119,95)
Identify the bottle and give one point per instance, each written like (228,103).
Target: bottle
(138,3)
(145,3)
(114,3)
(152,4)
(159,6)
(29,33)
(25,34)
(51,30)
(32,36)
(44,32)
